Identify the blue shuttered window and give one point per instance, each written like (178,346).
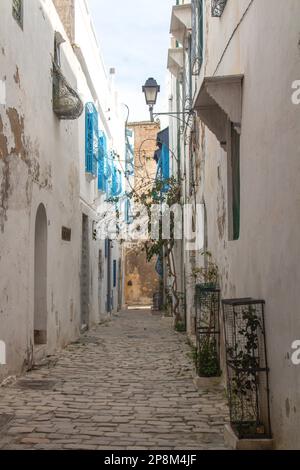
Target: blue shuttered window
(91,140)
(116,182)
(165,162)
(107,173)
(129,162)
(102,154)
(162,156)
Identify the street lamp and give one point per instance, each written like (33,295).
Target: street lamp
(151,90)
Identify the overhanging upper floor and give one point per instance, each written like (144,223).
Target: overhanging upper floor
(181,21)
(175,62)
(219,100)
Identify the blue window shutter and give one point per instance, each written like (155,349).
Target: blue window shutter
(101,162)
(106,166)
(165,162)
(91,139)
(113,180)
(129,160)
(116,181)
(108,173)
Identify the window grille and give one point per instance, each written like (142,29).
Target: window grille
(247,367)
(217,7)
(17,10)
(207,303)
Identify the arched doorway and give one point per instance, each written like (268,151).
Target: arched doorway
(40,277)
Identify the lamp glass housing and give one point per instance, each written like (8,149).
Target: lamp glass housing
(151,90)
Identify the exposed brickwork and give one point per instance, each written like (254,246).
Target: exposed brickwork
(145,134)
(141,280)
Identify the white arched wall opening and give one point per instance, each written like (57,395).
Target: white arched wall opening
(40,276)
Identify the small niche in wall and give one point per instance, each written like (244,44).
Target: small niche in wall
(66,234)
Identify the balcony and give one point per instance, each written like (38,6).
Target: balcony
(66,102)
(217,7)
(181,21)
(175,62)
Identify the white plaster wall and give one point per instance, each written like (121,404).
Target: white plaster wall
(43,168)
(47,166)
(96,85)
(264,262)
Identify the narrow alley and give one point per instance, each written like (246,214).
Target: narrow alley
(149,227)
(126,384)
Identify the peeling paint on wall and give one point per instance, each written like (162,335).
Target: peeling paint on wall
(15,183)
(17,128)
(5,179)
(3,141)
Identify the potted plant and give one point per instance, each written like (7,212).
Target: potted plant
(208,358)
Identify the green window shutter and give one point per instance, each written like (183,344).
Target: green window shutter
(235,166)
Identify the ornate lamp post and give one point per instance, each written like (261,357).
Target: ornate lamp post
(151,90)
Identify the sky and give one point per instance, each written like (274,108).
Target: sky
(134,38)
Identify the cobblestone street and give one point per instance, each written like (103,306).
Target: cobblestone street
(126,384)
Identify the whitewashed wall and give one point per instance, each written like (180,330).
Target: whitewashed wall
(260,40)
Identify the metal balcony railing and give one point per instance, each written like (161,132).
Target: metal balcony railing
(217,7)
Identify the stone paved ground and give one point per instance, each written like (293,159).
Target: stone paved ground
(124,385)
